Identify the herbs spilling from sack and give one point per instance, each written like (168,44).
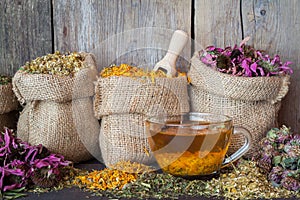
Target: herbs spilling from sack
(5,80)
(24,167)
(133,71)
(244,60)
(64,64)
(244,180)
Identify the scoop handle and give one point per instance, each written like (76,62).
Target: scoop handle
(177,43)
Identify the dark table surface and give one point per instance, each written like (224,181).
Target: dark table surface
(76,193)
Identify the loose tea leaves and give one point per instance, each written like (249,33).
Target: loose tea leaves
(105,179)
(131,167)
(190,163)
(56,64)
(244,181)
(115,177)
(247,182)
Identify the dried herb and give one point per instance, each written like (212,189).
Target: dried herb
(190,163)
(279,157)
(115,177)
(21,165)
(243,181)
(68,176)
(5,80)
(247,182)
(66,64)
(105,179)
(131,167)
(244,60)
(130,71)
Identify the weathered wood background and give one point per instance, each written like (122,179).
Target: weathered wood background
(114,31)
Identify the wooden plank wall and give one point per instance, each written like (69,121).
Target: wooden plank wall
(114,30)
(25,32)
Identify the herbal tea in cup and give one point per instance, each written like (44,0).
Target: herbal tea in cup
(193,144)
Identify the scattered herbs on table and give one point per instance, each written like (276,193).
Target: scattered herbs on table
(111,178)
(68,176)
(243,181)
(279,157)
(131,167)
(66,64)
(244,60)
(23,166)
(247,182)
(5,80)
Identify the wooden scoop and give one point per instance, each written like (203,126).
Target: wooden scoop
(168,63)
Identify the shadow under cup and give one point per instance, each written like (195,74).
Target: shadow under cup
(193,144)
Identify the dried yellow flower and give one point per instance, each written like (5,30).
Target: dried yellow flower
(115,177)
(105,179)
(131,167)
(56,64)
(129,71)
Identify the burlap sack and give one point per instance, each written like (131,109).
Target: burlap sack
(120,95)
(122,137)
(8,104)
(123,103)
(59,112)
(252,102)
(8,100)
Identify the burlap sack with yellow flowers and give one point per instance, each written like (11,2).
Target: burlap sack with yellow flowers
(252,102)
(58,112)
(8,107)
(123,103)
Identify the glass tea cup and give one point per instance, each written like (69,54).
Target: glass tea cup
(193,144)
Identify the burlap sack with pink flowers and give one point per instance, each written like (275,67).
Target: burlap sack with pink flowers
(123,103)
(8,107)
(252,102)
(58,112)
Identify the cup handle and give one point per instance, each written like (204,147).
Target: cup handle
(240,152)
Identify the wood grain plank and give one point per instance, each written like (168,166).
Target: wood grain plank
(274,26)
(115,31)
(25,32)
(217,23)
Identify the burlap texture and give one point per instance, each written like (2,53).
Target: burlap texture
(8,106)
(120,95)
(58,127)
(59,113)
(32,87)
(122,138)
(123,103)
(8,100)
(252,102)
(271,89)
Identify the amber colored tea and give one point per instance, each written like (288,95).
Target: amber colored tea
(189,151)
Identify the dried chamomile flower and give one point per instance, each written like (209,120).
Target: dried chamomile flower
(56,64)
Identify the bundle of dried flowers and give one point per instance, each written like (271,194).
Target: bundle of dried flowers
(244,60)
(22,165)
